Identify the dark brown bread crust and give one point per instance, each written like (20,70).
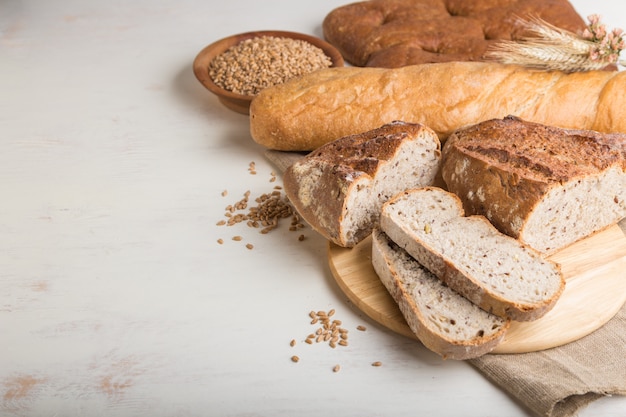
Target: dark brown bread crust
(363,152)
(516,163)
(394,33)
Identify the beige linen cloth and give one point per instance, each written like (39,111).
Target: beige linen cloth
(559,382)
(556,382)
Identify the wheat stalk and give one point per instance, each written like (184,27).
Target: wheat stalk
(551,48)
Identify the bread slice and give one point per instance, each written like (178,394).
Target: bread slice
(340,187)
(546,186)
(443,320)
(493,270)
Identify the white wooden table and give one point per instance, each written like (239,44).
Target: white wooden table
(115,297)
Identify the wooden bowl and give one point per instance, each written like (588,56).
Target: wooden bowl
(238,102)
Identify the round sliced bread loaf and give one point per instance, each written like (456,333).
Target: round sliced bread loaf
(546,186)
(443,320)
(493,270)
(340,187)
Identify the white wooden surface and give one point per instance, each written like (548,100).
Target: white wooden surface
(115,297)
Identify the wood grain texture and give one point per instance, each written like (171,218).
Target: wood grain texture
(595,291)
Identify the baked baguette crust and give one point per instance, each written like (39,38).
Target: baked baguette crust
(307,112)
(443,320)
(546,186)
(340,187)
(494,271)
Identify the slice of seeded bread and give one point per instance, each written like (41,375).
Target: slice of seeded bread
(443,320)
(340,187)
(493,270)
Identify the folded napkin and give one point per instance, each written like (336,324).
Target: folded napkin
(556,382)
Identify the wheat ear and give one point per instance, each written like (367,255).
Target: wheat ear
(551,48)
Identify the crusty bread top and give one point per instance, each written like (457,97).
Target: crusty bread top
(539,152)
(364,151)
(394,33)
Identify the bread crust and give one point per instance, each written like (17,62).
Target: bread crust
(307,112)
(395,33)
(504,168)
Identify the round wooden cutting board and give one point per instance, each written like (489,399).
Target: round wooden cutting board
(594,270)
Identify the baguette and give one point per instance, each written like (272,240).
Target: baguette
(493,270)
(443,320)
(309,111)
(340,187)
(546,186)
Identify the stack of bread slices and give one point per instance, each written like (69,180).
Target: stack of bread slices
(464,257)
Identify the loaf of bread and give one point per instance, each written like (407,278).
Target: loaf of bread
(340,187)
(494,271)
(546,186)
(395,33)
(314,109)
(443,320)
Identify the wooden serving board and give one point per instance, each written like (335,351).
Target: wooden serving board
(595,273)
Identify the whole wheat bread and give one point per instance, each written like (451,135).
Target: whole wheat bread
(443,320)
(493,270)
(546,186)
(339,188)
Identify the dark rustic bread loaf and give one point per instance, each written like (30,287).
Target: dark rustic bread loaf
(443,320)
(394,33)
(494,271)
(546,186)
(339,188)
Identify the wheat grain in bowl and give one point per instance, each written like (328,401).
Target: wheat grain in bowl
(236,68)
(257,63)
